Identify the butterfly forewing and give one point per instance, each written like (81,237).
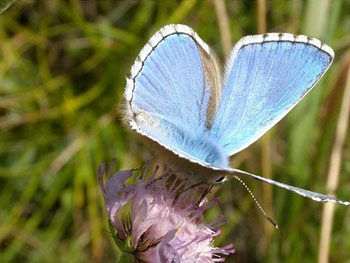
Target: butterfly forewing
(172,94)
(266,76)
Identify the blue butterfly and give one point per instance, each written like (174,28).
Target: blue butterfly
(196,119)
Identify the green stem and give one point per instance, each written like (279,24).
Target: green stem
(126,258)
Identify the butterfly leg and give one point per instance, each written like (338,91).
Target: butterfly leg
(207,191)
(204,193)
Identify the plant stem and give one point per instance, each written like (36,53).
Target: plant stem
(333,174)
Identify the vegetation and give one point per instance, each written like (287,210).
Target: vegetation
(62,75)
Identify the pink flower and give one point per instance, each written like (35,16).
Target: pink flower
(165,224)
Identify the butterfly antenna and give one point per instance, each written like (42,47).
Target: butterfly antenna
(256,202)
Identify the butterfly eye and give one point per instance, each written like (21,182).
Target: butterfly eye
(220,179)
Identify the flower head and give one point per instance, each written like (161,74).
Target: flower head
(165,222)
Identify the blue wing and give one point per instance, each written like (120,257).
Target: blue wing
(265,77)
(173,92)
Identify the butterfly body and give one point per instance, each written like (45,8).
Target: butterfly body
(176,98)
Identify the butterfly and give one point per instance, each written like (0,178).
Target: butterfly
(176,98)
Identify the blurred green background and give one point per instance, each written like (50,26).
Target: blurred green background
(62,75)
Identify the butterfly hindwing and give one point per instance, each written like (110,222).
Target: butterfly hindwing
(302,192)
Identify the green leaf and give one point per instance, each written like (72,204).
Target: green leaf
(4,4)
(126,258)
(123,245)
